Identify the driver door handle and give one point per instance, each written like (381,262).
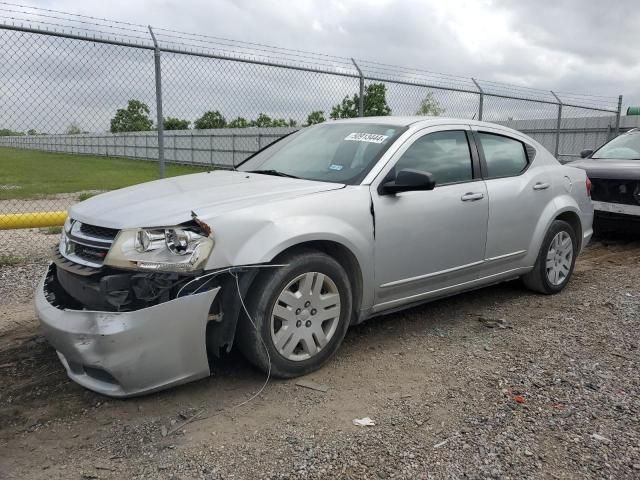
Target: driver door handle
(541,186)
(472,197)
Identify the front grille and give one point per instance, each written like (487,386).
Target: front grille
(85,244)
(62,262)
(91,254)
(98,232)
(616,191)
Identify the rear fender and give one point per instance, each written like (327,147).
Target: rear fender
(559,205)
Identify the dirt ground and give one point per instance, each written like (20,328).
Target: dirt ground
(496,383)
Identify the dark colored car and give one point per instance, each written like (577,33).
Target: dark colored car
(614,171)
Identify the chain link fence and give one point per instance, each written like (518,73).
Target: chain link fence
(89,104)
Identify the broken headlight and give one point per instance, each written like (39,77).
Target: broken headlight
(170,249)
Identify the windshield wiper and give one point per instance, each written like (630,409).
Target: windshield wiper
(275,173)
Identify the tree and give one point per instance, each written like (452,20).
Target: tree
(210,119)
(430,106)
(375,100)
(374,103)
(5,132)
(239,122)
(315,117)
(348,108)
(72,129)
(265,120)
(32,131)
(134,118)
(172,123)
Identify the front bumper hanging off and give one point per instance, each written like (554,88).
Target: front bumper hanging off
(121,354)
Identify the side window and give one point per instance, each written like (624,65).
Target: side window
(445,155)
(505,157)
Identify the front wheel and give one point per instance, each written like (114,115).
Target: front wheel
(556,260)
(299,314)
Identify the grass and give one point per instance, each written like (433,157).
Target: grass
(7,260)
(53,230)
(33,174)
(84,195)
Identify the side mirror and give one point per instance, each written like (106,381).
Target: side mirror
(409,180)
(585,153)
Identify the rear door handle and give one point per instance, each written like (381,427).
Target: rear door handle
(472,197)
(541,186)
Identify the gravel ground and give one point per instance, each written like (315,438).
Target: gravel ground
(17,283)
(496,383)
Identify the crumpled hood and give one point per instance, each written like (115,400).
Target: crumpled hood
(611,169)
(170,201)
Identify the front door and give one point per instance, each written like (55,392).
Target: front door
(429,241)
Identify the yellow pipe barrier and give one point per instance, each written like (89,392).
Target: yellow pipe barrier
(32,220)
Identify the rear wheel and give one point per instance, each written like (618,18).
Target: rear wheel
(299,314)
(555,261)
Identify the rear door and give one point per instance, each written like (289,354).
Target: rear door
(518,192)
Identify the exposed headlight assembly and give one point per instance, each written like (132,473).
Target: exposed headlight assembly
(170,249)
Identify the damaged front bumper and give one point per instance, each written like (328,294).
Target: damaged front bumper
(121,354)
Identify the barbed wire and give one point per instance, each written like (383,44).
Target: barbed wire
(72,14)
(44,15)
(250,53)
(94,31)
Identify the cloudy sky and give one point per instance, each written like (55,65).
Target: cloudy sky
(587,46)
(581,46)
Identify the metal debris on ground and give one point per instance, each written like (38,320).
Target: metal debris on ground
(441,444)
(494,322)
(312,385)
(363,422)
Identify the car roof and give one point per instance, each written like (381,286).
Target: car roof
(413,120)
(424,121)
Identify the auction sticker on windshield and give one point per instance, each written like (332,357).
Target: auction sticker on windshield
(366,137)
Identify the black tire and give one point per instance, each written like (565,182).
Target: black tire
(537,279)
(261,299)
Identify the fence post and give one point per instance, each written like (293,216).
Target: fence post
(192,154)
(558,124)
(481,103)
(618,115)
(361,96)
(233,150)
(211,149)
(160,119)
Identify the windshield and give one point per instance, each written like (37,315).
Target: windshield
(624,147)
(330,152)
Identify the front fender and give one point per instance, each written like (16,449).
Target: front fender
(265,244)
(268,242)
(255,236)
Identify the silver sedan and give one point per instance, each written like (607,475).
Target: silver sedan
(323,229)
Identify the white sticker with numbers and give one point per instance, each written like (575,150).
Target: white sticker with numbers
(366,137)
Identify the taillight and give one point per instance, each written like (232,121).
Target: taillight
(588,183)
